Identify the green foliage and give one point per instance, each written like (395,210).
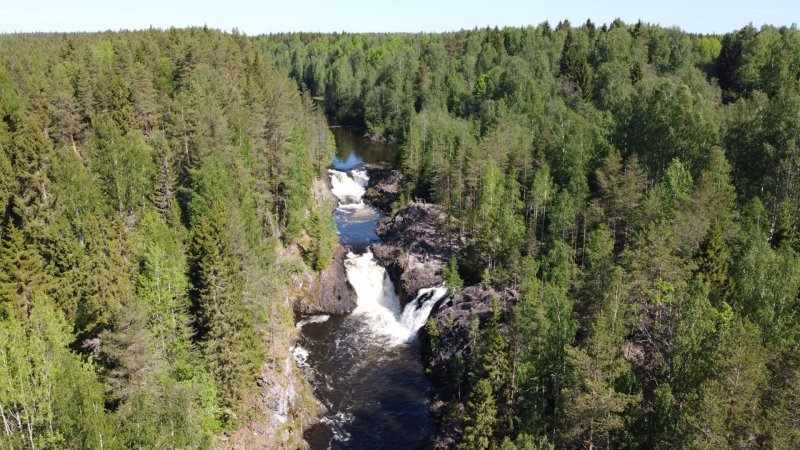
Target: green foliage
(647,217)
(111,145)
(575,67)
(50,396)
(322,234)
(224,328)
(297,185)
(22,274)
(638,209)
(728,414)
(481,417)
(163,286)
(452,279)
(125,164)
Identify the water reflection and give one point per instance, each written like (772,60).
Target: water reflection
(353,150)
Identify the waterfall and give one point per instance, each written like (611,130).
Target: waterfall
(417,311)
(319,318)
(349,187)
(379,304)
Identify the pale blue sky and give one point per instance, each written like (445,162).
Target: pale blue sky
(258,17)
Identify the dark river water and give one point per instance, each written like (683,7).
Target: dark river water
(366,367)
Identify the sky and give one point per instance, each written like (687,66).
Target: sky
(262,17)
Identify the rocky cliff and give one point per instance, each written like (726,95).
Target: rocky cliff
(384,187)
(328,292)
(447,350)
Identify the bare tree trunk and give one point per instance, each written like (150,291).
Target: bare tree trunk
(6,427)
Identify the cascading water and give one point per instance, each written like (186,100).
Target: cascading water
(349,187)
(355,221)
(417,311)
(379,304)
(366,367)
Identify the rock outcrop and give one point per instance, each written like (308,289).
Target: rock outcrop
(415,247)
(328,292)
(384,187)
(284,407)
(451,319)
(447,351)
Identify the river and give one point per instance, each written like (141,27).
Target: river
(366,367)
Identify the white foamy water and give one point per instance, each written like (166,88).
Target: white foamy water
(349,187)
(379,304)
(416,312)
(300,355)
(338,424)
(313,319)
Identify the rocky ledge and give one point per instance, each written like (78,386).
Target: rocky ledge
(384,187)
(328,292)
(447,336)
(415,247)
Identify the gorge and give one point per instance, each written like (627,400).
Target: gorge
(366,367)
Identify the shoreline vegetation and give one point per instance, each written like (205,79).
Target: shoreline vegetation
(624,206)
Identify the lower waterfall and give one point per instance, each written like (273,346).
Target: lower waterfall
(379,304)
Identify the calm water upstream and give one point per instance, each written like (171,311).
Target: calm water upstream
(366,367)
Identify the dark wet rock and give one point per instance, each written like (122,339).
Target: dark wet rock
(328,292)
(452,322)
(414,247)
(384,187)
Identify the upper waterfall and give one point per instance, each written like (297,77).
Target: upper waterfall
(349,187)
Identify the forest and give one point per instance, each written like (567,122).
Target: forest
(638,187)
(156,201)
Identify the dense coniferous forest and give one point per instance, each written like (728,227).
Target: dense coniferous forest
(156,200)
(637,187)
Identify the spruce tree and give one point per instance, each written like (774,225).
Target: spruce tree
(224,328)
(481,417)
(22,273)
(713,265)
